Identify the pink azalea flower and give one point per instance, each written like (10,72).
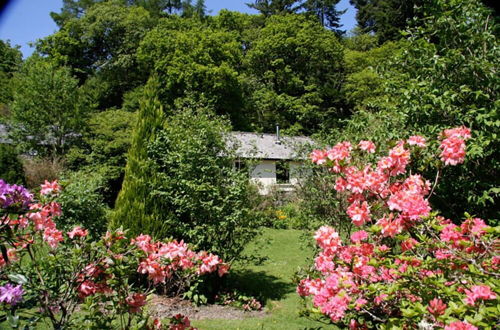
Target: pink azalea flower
(328,239)
(451,233)
(78,232)
(50,188)
(318,156)
(462,132)
(360,302)
(436,307)
(459,325)
(390,226)
(380,298)
(143,242)
(475,226)
(400,158)
(452,150)
(359,236)
(52,236)
(340,184)
(408,244)
(359,213)
(482,292)
(416,140)
(341,151)
(367,146)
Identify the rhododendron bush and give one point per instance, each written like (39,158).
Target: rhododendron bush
(55,273)
(404,266)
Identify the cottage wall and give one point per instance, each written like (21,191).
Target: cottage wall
(264,175)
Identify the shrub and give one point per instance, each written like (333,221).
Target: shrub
(11,168)
(50,272)
(83,203)
(37,170)
(411,268)
(202,199)
(179,182)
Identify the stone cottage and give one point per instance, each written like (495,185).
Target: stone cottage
(276,162)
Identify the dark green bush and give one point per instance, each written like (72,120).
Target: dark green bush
(11,169)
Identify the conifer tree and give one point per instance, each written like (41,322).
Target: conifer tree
(135,210)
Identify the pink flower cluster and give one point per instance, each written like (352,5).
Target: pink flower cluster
(163,259)
(459,325)
(347,270)
(479,292)
(407,198)
(180,322)
(367,277)
(453,145)
(41,217)
(93,280)
(49,188)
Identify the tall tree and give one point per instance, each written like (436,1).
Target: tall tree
(135,209)
(385,17)
(10,62)
(294,74)
(200,9)
(49,109)
(197,64)
(272,7)
(72,9)
(325,11)
(102,44)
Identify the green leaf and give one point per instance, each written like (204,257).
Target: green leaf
(18,278)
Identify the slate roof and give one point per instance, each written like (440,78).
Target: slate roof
(267,146)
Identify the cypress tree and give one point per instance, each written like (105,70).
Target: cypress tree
(135,209)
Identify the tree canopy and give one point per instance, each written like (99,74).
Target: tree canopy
(49,109)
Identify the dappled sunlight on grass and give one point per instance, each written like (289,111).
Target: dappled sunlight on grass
(270,281)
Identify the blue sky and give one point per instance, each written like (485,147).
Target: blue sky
(25,21)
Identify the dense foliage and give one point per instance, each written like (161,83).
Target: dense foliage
(202,198)
(444,74)
(10,61)
(129,104)
(189,189)
(406,266)
(82,200)
(11,168)
(49,109)
(77,283)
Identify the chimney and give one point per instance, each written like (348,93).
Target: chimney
(278,141)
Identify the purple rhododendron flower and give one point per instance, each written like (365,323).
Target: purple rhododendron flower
(10,294)
(14,195)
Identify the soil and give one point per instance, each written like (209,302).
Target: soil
(164,307)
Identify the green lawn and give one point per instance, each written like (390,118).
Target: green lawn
(272,280)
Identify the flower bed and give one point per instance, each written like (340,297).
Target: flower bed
(109,280)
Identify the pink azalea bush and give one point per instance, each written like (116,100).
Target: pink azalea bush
(405,266)
(62,270)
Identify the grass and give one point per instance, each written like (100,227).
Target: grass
(271,280)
